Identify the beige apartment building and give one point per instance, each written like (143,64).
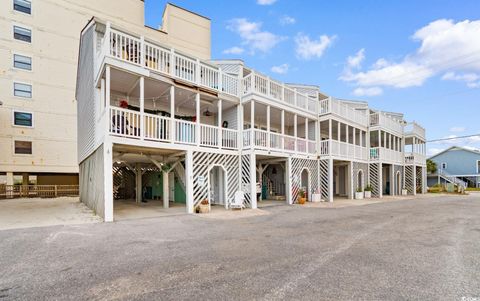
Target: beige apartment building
(39,42)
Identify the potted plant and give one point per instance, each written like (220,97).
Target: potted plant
(302,198)
(359,194)
(367,192)
(404,191)
(204,206)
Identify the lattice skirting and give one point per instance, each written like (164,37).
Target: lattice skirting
(419,179)
(245,179)
(375,174)
(324,180)
(298,165)
(409,182)
(203,162)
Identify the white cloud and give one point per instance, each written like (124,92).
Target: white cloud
(433,151)
(266,2)
(287,20)
(307,48)
(253,36)
(445,45)
(234,50)
(356,60)
(280,69)
(471,79)
(372,91)
(457,129)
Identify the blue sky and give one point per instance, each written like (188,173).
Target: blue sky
(421,58)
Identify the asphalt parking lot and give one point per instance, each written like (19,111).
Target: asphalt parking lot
(421,249)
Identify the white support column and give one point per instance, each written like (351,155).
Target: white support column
(219,123)
(107,97)
(172,114)
(166,189)
(240,123)
(268,126)
(189,180)
(108,180)
(138,183)
(295,129)
(330,180)
(252,123)
(253,180)
(330,129)
(380,179)
(142,107)
(197,118)
(288,181)
(392,180)
(354,141)
(103,99)
(379,138)
(350,181)
(414,178)
(306,130)
(282,121)
(339,134)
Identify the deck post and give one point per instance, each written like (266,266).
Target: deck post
(138,183)
(288,181)
(166,190)
(295,130)
(330,179)
(282,121)
(219,123)
(189,180)
(107,99)
(252,124)
(108,180)
(380,179)
(253,179)
(268,127)
(142,107)
(172,114)
(197,118)
(414,166)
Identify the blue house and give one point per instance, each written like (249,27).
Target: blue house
(456,165)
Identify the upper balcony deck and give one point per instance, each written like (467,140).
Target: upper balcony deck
(152,56)
(334,106)
(382,120)
(414,129)
(255,83)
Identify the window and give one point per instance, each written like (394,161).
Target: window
(444,165)
(23,147)
(22,90)
(23,119)
(24,6)
(478,166)
(22,34)
(22,62)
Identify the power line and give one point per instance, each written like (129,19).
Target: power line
(454,138)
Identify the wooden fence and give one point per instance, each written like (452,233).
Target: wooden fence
(37,191)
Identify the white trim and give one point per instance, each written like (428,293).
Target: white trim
(21,139)
(22,126)
(12,36)
(20,12)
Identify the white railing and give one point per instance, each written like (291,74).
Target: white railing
(185,131)
(247,137)
(153,56)
(386,155)
(413,128)
(229,138)
(157,127)
(301,145)
(124,122)
(311,147)
(289,143)
(337,107)
(343,149)
(415,158)
(208,135)
(256,83)
(260,138)
(387,122)
(276,141)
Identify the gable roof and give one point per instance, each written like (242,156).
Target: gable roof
(477,152)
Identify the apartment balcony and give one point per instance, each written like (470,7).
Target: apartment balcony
(129,124)
(385,155)
(339,149)
(139,51)
(255,83)
(414,129)
(334,106)
(415,159)
(385,122)
(270,141)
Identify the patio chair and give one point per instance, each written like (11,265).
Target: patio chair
(238,201)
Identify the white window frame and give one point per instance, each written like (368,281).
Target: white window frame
(21,12)
(23,126)
(22,26)
(22,83)
(21,139)
(22,54)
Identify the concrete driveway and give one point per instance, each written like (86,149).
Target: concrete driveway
(422,249)
(37,212)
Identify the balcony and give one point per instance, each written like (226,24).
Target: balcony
(334,106)
(277,91)
(414,129)
(414,158)
(386,155)
(154,57)
(271,141)
(128,124)
(343,150)
(386,122)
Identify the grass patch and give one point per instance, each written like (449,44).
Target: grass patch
(472,189)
